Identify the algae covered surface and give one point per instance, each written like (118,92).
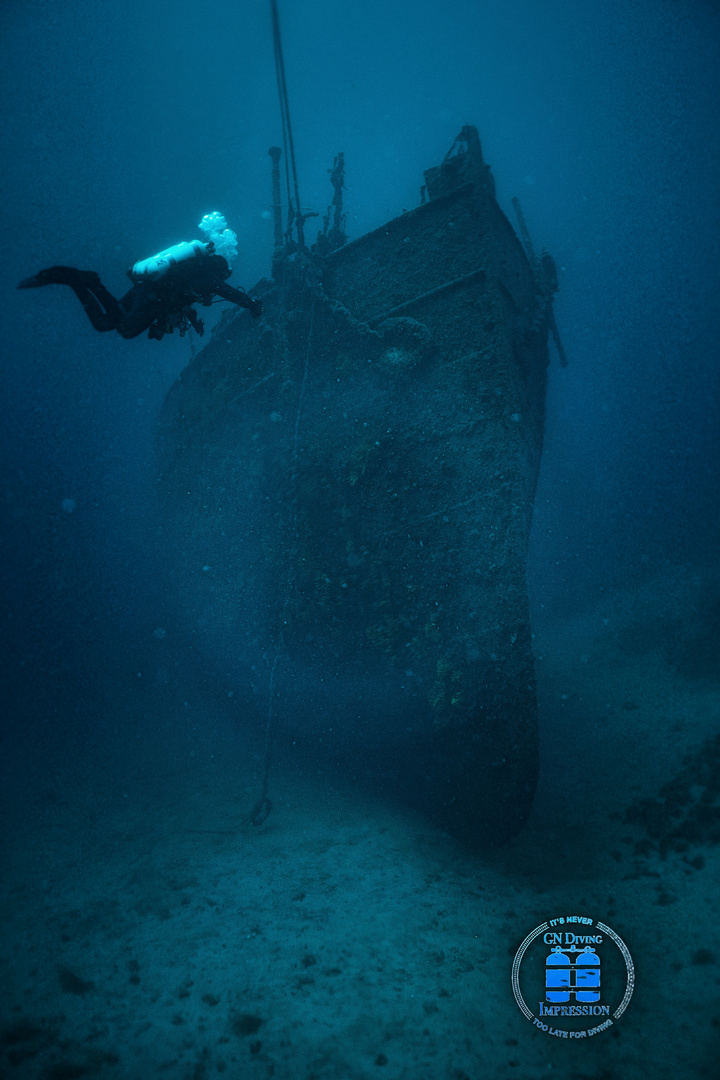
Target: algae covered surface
(347,490)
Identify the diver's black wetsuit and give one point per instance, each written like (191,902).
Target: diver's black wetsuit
(156,306)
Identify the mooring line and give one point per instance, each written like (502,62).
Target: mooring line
(263,806)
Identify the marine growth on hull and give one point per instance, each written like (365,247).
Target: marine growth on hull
(348,487)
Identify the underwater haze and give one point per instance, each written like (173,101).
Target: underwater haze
(149,930)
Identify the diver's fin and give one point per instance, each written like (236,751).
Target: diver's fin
(60,275)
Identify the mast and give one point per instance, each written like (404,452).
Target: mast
(279,250)
(294,211)
(337,235)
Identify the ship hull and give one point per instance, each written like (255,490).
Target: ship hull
(347,492)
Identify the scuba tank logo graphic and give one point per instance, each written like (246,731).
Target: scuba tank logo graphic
(565,978)
(583,969)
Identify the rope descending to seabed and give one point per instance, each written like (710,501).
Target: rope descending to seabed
(262,807)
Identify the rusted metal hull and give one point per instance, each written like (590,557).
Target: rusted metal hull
(347,491)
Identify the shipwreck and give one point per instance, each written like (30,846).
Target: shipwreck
(347,489)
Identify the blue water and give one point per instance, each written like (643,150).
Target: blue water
(121,126)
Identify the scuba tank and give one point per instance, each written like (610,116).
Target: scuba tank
(157,266)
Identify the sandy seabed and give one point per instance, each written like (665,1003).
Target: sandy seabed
(147,932)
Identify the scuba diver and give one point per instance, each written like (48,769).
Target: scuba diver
(165,286)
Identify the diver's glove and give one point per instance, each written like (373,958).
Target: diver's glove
(257,308)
